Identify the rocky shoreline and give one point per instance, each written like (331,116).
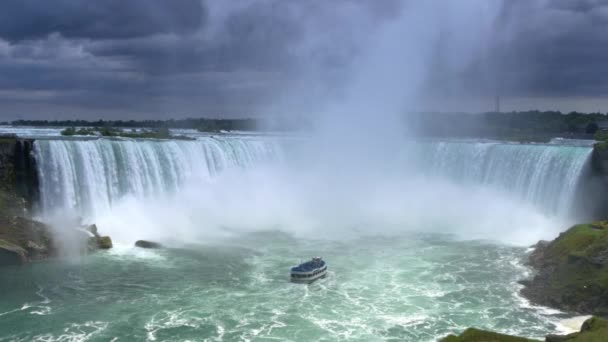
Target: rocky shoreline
(593,330)
(572,276)
(572,271)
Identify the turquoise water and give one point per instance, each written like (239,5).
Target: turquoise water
(411,287)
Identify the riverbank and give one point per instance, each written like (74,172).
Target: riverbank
(572,271)
(593,330)
(572,276)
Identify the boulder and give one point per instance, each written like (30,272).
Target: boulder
(148,244)
(104,242)
(477,335)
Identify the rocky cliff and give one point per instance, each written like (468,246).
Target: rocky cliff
(572,271)
(21,239)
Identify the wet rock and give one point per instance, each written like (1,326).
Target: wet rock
(93,230)
(477,335)
(536,257)
(104,242)
(11,254)
(148,244)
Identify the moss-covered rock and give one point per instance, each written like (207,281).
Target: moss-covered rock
(476,335)
(572,271)
(104,242)
(593,330)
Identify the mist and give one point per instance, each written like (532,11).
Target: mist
(356,74)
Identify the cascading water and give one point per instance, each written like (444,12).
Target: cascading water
(88,176)
(545,176)
(395,274)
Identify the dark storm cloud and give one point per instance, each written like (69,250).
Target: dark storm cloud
(559,50)
(193,57)
(99,19)
(255,37)
(544,49)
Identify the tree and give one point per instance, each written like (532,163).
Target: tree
(591,128)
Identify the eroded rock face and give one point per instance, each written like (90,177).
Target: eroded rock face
(572,271)
(148,244)
(24,240)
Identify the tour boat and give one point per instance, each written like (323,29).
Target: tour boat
(309,271)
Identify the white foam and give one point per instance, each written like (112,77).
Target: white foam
(571,325)
(123,250)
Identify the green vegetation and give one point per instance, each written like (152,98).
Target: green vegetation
(203,125)
(593,330)
(523,126)
(160,133)
(582,240)
(573,270)
(592,128)
(476,335)
(602,138)
(532,125)
(82,131)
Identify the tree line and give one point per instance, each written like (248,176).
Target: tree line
(428,123)
(202,124)
(510,124)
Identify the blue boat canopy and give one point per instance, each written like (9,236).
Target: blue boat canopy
(309,265)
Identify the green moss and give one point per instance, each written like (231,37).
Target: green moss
(7,245)
(582,240)
(104,242)
(593,330)
(161,133)
(601,146)
(578,264)
(476,335)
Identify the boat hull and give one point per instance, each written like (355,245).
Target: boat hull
(307,278)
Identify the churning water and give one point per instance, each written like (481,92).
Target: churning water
(408,261)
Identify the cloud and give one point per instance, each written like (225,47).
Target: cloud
(156,58)
(102,19)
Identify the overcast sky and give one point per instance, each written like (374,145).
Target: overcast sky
(138,59)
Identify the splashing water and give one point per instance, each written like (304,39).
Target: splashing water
(232,183)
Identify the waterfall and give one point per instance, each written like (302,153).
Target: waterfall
(87,176)
(544,175)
